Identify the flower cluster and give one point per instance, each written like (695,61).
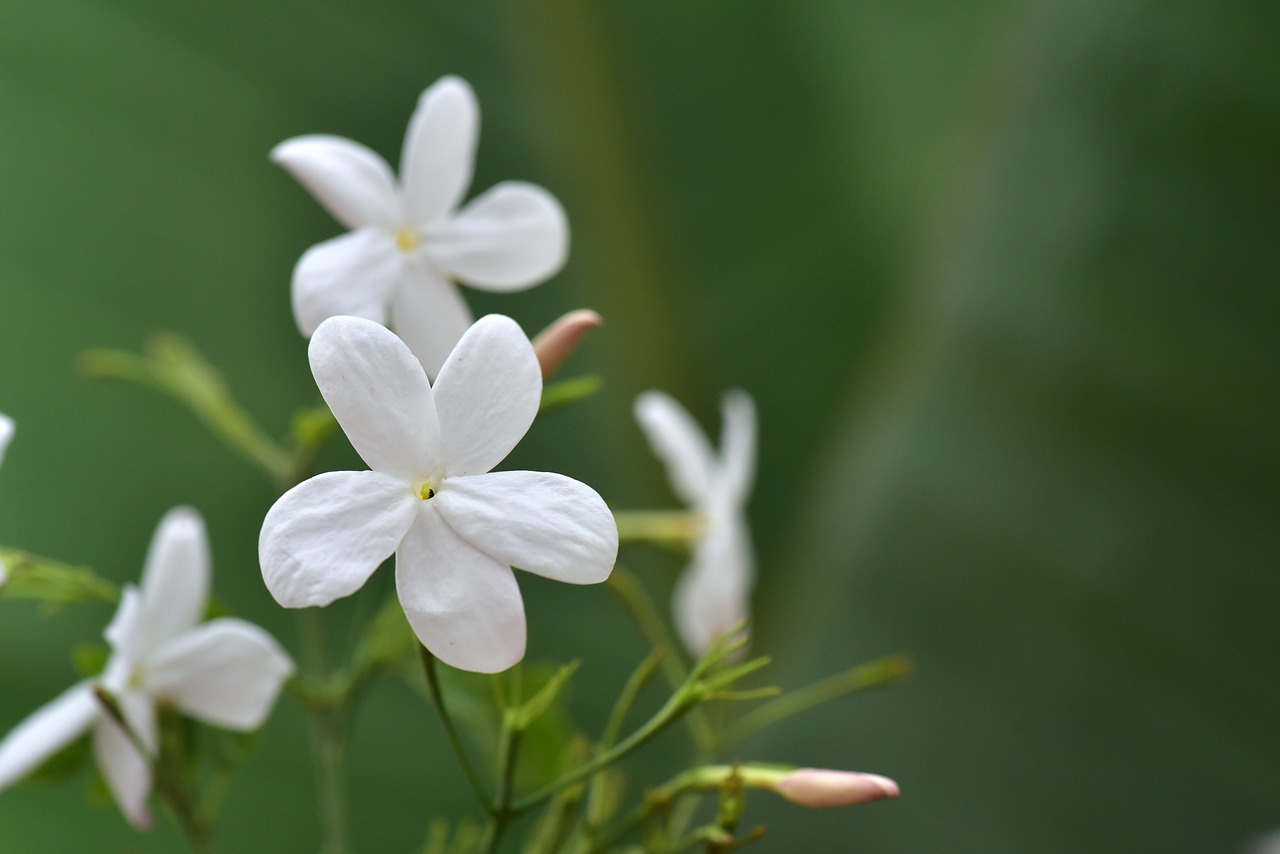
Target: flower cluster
(432,402)
(226,672)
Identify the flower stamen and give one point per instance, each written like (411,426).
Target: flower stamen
(425,490)
(407,240)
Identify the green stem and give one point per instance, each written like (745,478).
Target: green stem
(326,710)
(437,700)
(675,708)
(659,526)
(633,595)
(501,814)
(872,675)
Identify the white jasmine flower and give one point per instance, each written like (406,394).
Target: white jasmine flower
(712,597)
(226,672)
(407,242)
(456,528)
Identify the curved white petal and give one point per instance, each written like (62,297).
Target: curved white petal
(6,434)
(439,149)
(353,183)
(122,633)
(679,443)
(429,314)
(46,731)
(511,237)
(463,605)
(356,274)
(713,595)
(487,395)
(737,445)
(379,394)
(175,579)
(227,672)
(322,539)
(544,523)
(127,772)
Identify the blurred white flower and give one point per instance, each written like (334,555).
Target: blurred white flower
(822,788)
(226,672)
(407,242)
(712,596)
(6,434)
(456,528)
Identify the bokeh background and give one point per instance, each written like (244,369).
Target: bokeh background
(1002,276)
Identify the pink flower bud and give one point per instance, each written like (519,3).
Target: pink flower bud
(557,342)
(821,788)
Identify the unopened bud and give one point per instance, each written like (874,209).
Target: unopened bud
(557,342)
(821,788)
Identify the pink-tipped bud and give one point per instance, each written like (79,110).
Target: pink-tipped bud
(821,788)
(557,342)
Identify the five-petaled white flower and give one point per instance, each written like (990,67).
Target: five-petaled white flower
(712,596)
(455,527)
(226,672)
(407,243)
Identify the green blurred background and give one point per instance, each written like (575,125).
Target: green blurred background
(1002,277)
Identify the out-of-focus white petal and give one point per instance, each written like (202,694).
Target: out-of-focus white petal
(379,394)
(463,605)
(354,274)
(226,672)
(430,315)
(679,443)
(511,237)
(353,183)
(127,772)
(439,149)
(6,434)
(713,594)
(175,579)
(322,539)
(46,731)
(122,633)
(738,445)
(544,523)
(487,395)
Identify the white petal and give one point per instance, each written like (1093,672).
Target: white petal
(46,731)
(6,434)
(487,395)
(322,539)
(462,604)
(127,772)
(353,183)
(677,441)
(122,633)
(227,672)
(430,315)
(355,274)
(175,579)
(439,150)
(712,597)
(511,237)
(737,446)
(544,523)
(379,394)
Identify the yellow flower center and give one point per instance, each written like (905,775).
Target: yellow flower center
(425,491)
(407,240)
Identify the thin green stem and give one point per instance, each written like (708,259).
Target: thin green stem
(864,677)
(633,595)
(500,814)
(659,526)
(326,710)
(437,700)
(675,708)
